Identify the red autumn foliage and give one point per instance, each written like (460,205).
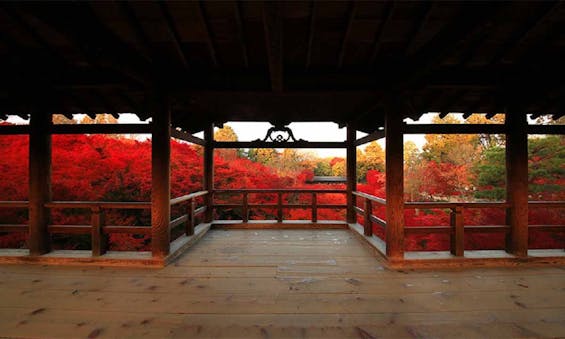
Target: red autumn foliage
(102,168)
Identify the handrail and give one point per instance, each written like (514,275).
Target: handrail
(370,197)
(273,191)
(426,204)
(552,204)
(99,204)
(187,197)
(14,204)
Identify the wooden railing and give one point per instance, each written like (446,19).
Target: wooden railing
(98,229)
(246,206)
(367,212)
(189,218)
(14,227)
(456,228)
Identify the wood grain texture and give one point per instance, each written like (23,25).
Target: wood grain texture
(394,165)
(161,179)
(274,283)
(39,182)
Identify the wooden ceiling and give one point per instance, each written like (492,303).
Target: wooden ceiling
(342,61)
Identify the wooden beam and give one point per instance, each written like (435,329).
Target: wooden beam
(175,35)
(517,183)
(14,129)
(101,129)
(272,23)
(209,36)
(351,16)
(378,134)
(266,144)
(387,15)
(420,23)
(311,26)
(241,32)
(208,182)
(454,129)
(351,166)
(161,178)
(394,165)
(182,135)
(139,31)
(518,35)
(39,183)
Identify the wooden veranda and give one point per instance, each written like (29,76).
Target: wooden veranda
(190,66)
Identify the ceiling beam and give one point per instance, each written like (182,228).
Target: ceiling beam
(351,16)
(272,22)
(140,35)
(99,45)
(421,21)
(311,26)
(518,35)
(174,33)
(387,15)
(209,36)
(241,31)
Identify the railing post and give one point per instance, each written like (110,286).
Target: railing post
(98,238)
(351,165)
(245,210)
(368,231)
(209,172)
(517,182)
(314,207)
(279,207)
(457,235)
(161,179)
(191,217)
(39,182)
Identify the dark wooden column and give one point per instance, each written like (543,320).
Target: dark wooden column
(161,178)
(394,185)
(517,182)
(351,158)
(39,182)
(209,171)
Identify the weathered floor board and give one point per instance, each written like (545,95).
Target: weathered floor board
(280,283)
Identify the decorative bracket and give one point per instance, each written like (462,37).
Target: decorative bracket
(279,134)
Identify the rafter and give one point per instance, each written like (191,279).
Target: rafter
(175,35)
(209,36)
(311,26)
(272,22)
(421,21)
(241,31)
(387,15)
(546,8)
(139,31)
(352,11)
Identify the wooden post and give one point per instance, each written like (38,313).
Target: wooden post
(189,225)
(457,236)
(191,217)
(368,231)
(39,182)
(394,185)
(351,165)
(279,207)
(245,210)
(209,172)
(98,238)
(161,180)
(517,182)
(314,207)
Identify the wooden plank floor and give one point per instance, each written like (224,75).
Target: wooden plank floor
(280,283)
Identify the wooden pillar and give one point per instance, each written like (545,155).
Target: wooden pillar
(394,185)
(161,179)
(39,182)
(517,182)
(351,158)
(209,172)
